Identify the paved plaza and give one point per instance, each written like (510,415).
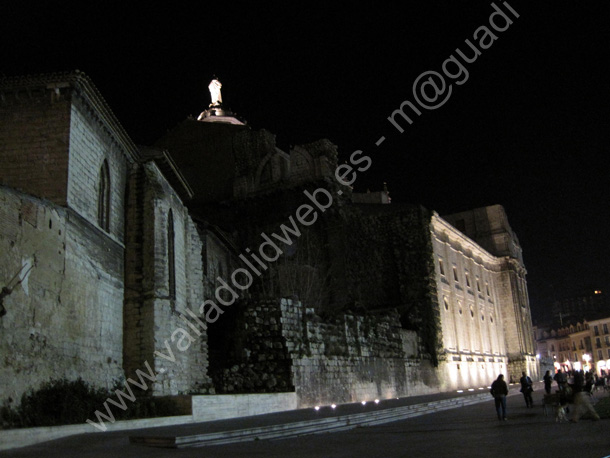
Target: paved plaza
(470,431)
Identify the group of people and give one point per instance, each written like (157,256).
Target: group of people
(576,389)
(578,381)
(499,390)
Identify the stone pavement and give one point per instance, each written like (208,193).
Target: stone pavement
(469,431)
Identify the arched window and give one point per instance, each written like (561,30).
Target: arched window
(171,260)
(103,197)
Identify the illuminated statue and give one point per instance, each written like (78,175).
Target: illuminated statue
(214,88)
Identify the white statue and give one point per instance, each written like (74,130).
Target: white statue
(214,88)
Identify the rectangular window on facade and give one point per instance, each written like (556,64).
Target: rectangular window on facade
(600,355)
(478,285)
(467,279)
(605,328)
(455,274)
(607,339)
(608,353)
(598,342)
(487,288)
(596,329)
(441,268)
(575,356)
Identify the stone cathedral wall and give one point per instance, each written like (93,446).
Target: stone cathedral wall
(65,320)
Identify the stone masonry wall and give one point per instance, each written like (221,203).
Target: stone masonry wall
(153,323)
(90,144)
(384,257)
(255,356)
(65,320)
(354,358)
(285,346)
(34,137)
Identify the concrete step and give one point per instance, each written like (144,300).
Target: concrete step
(316,426)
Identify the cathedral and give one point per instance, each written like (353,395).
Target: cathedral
(227,265)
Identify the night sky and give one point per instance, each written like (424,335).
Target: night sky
(528,129)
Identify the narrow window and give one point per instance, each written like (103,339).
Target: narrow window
(171,261)
(103,197)
(440,266)
(478,285)
(605,328)
(446,303)
(455,275)
(487,288)
(467,279)
(600,355)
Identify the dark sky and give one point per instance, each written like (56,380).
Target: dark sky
(528,129)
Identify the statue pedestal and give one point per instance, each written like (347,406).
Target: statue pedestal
(218,114)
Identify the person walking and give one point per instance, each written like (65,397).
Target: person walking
(548,382)
(561,379)
(499,390)
(526,389)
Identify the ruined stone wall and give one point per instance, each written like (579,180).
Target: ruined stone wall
(253,355)
(65,320)
(284,346)
(354,358)
(382,257)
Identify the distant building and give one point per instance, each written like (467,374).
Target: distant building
(582,345)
